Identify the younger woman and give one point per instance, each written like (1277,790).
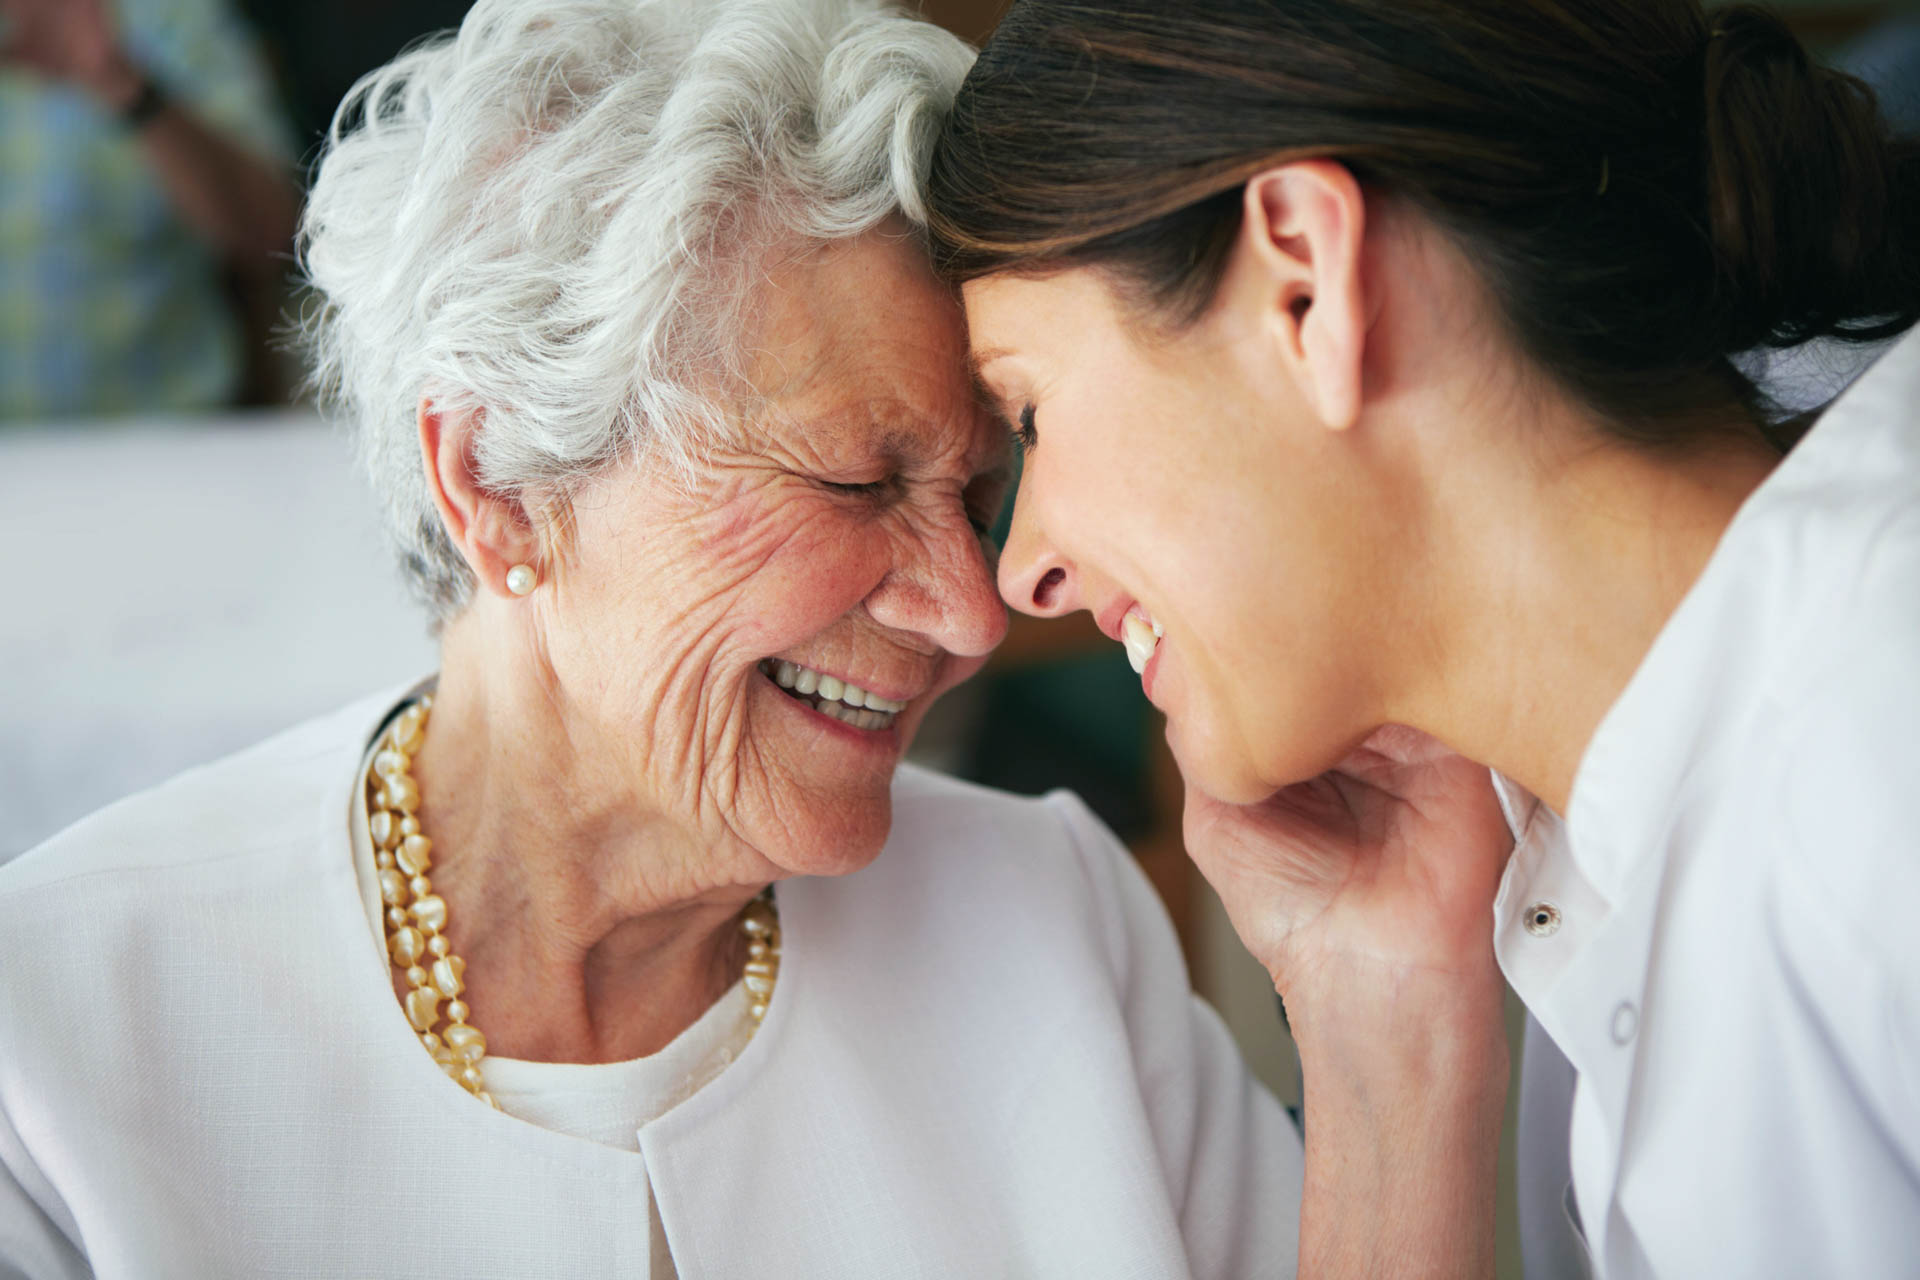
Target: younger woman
(1376,365)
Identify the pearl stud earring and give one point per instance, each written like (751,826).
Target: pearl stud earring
(521,580)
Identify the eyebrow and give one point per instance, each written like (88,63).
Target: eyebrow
(980,357)
(989,403)
(903,442)
(906,439)
(909,446)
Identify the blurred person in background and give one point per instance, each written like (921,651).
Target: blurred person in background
(146,204)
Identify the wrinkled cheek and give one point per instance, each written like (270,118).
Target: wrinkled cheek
(714,760)
(794,577)
(687,719)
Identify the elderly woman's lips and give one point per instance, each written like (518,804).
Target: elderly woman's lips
(831,696)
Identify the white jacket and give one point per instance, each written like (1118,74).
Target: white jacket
(982,1060)
(1720,937)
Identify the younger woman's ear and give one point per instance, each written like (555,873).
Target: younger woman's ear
(1302,230)
(491,530)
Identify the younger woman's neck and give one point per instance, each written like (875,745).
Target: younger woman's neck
(1565,552)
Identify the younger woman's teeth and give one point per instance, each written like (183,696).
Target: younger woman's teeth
(1142,637)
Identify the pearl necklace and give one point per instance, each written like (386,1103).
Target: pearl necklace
(417,916)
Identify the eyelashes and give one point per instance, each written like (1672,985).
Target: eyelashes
(1025,437)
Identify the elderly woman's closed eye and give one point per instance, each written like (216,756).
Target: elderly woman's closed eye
(628,308)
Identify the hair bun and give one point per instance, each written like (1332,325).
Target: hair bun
(1813,206)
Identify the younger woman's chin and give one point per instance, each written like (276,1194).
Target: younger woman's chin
(1214,772)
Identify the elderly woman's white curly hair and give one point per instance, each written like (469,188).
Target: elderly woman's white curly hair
(554,217)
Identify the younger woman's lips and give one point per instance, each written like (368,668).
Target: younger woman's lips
(1152,670)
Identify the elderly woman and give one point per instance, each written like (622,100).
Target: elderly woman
(627,306)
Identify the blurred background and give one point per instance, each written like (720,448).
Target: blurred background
(185,512)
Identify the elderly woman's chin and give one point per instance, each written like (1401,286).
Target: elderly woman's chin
(825,746)
(816,792)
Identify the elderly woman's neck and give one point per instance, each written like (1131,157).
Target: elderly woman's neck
(593,929)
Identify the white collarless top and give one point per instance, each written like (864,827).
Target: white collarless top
(608,1103)
(982,1059)
(1718,938)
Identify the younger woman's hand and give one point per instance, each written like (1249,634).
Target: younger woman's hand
(1368,895)
(1389,863)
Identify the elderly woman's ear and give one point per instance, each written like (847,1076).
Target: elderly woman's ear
(493,531)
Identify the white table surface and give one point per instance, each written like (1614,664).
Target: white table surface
(176,590)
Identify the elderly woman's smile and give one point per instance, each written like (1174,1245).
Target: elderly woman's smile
(837,699)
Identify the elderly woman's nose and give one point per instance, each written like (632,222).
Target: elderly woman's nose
(944,593)
(1034,577)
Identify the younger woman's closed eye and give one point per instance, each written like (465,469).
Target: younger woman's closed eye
(1025,436)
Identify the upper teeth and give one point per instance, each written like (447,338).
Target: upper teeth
(1141,636)
(806,680)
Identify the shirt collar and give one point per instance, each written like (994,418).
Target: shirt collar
(1698,683)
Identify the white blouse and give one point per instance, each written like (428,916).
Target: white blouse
(610,1102)
(982,1059)
(1719,937)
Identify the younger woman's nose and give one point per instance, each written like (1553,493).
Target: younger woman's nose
(1034,577)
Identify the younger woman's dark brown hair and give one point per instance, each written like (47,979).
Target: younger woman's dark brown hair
(1647,187)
